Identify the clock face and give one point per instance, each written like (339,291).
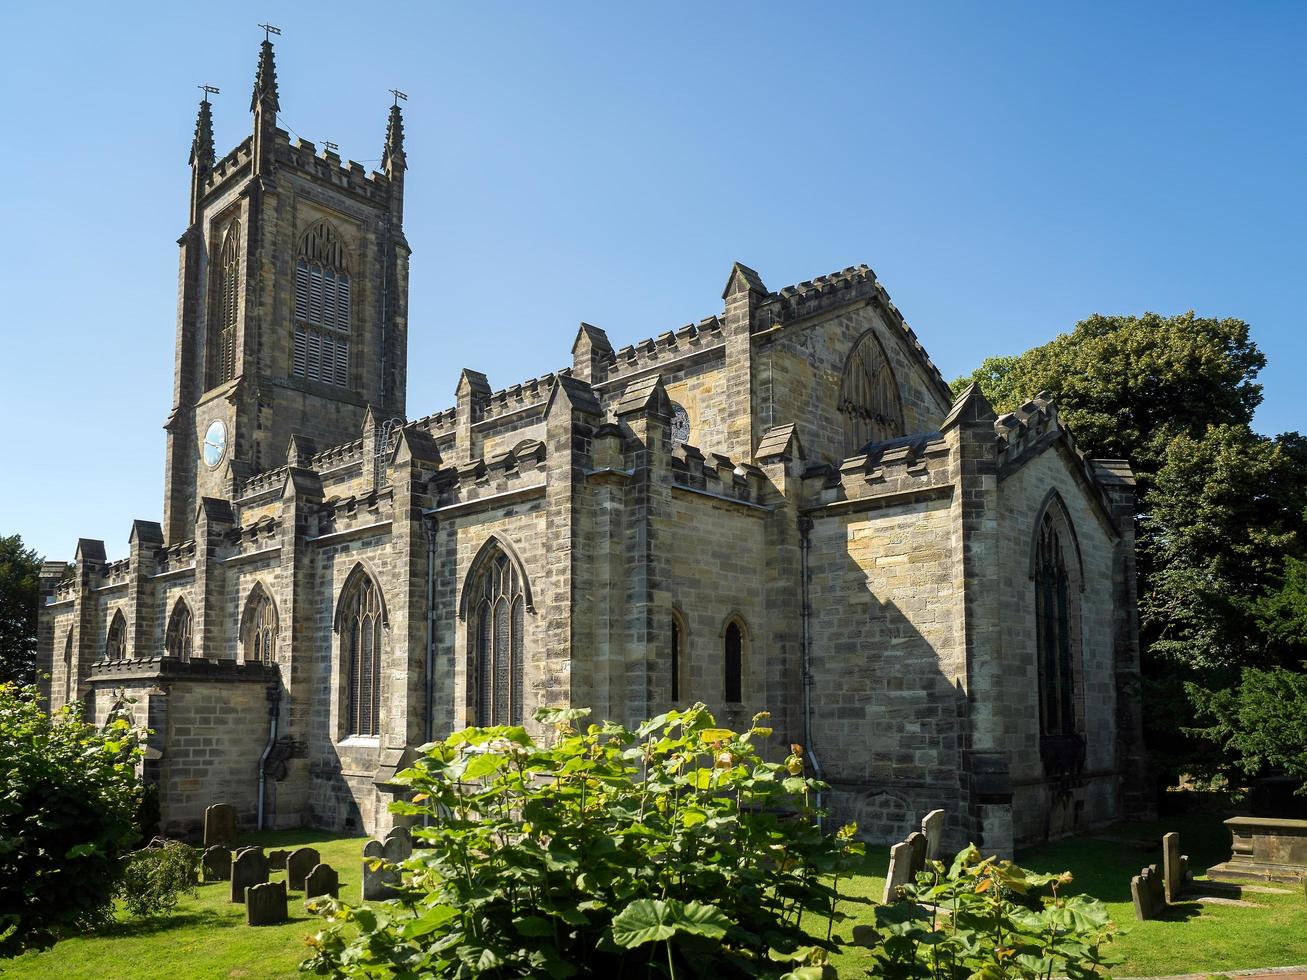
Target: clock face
(215,442)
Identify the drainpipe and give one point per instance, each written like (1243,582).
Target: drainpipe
(274,705)
(805,528)
(429,525)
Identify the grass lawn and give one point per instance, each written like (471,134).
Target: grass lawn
(207,936)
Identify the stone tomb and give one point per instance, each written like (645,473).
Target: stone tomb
(932,826)
(322,880)
(301,861)
(1265,849)
(265,904)
(215,864)
(219,824)
(1148,893)
(248,868)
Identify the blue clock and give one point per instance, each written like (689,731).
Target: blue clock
(215,443)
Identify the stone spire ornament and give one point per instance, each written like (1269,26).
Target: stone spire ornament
(202,144)
(265,78)
(393,153)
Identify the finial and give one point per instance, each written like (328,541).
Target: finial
(265,79)
(202,143)
(393,152)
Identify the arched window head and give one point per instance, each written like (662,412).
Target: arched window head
(322,316)
(499,627)
(869,400)
(1053,627)
(224,309)
(361,616)
(677,658)
(733,663)
(177,641)
(259,628)
(115,644)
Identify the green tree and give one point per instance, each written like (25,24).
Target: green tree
(68,798)
(20,570)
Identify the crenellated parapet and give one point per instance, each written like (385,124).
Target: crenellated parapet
(481,479)
(718,475)
(654,352)
(889,472)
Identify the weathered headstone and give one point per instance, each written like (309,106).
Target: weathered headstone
(265,904)
(301,861)
(219,824)
(216,863)
(322,880)
(1148,893)
(932,826)
(900,871)
(917,841)
(376,881)
(249,868)
(399,845)
(277,860)
(1175,867)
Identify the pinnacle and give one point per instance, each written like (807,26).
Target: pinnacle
(393,152)
(265,80)
(202,143)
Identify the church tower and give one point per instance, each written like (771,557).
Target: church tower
(292,311)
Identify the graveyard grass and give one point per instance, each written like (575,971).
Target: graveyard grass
(207,936)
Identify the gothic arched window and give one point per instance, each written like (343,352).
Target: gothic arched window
(224,308)
(177,641)
(322,308)
(115,644)
(360,638)
(500,625)
(733,663)
(259,628)
(869,396)
(1053,629)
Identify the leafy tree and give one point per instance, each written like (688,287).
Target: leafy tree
(20,570)
(1261,724)
(68,798)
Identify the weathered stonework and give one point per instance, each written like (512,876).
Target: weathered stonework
(884,594)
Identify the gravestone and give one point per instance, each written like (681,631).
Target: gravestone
(277,860)
(1148,894)
(249,868)
(219,824)
(900,871)
(301,861)
(917,841)
(215,864)
(265,904)
(322,880)
(1175,867)
(932,826)
(399,845)
(376,882)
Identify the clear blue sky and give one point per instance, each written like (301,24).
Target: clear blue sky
(1007,169)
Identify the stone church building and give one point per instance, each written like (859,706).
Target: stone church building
(781,506)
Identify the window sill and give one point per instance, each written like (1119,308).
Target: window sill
(360,742)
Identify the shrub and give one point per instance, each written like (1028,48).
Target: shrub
(988,918)
(155,878)
(670,850)
(68,798)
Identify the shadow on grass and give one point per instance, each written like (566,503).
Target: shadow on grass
(155,924)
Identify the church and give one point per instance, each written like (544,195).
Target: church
(781,507)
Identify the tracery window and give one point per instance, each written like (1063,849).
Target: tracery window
(259,630)
(360,630)
(177,641)
(869,396)
(733,663)
(115,644)
(224,309)
(1053,630)
(500,626)
(322,308)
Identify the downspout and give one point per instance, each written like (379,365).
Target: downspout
(274,705)
(805,528)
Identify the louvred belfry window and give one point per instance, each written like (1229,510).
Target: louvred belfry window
(500,625)
(361,641)
(322,308)
(224,309)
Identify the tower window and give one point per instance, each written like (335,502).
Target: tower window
(322,316)
(733,668)
(360,625)
(224,309)
(178,639)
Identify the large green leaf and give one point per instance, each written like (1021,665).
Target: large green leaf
(649,920)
